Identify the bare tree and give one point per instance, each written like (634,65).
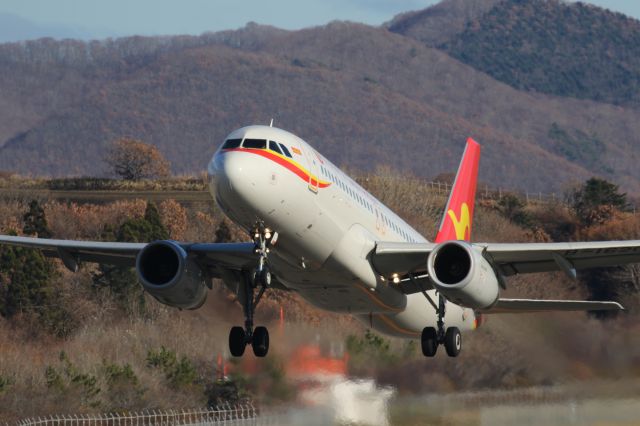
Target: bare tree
(134,160)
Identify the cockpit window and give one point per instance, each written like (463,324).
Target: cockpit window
(273,146)
(255,143)
(285,151)
(231,143)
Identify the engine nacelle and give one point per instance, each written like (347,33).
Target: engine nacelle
(463,275)
(167,273)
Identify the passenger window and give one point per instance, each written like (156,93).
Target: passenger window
(285,150)
(273,146)
(231,143)
(255,143)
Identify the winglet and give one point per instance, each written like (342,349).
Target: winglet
(458,216)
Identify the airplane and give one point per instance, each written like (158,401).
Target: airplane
(317,232)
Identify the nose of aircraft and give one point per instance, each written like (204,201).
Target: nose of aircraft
(232,179)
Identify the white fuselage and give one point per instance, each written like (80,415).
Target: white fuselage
(327,225)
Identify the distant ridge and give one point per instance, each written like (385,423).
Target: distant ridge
(14,28)
(439,23)
(549,46)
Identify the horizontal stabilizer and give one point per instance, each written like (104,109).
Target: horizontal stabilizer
(523,306)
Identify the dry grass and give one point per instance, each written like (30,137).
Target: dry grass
(175,183)
(507,352)
(105,337)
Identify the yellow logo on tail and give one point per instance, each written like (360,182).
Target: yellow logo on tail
(463,223)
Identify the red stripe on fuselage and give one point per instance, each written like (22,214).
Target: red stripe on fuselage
(287,164)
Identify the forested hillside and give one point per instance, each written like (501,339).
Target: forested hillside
(362,95)
(549,46)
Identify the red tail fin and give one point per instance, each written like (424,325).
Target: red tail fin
(458,216)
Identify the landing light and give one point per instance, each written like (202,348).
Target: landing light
(396,278)
(267,235)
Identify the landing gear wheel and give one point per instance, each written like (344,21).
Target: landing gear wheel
(453,341)
(237,341)
(260,341)
(429,341)
(265,277)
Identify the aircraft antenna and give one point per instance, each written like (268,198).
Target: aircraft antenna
(271,124)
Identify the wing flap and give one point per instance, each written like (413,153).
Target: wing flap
(214,256)
(545,257)
(121,254)
(523,306)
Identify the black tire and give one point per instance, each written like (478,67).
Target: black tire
(429,341)
(265,277)
(260,342)
(237,341)
(453,341)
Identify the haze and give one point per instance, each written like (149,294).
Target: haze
(20,19)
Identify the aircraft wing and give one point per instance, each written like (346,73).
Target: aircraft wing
(526,258)
(517,258)
(214,256)
(408,261)
(400,258)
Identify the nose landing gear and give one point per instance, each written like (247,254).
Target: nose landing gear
(431,337)
(260,277)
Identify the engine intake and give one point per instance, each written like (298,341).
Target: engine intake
(463,275)
(168,274)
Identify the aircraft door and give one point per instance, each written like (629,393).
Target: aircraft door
(312,163)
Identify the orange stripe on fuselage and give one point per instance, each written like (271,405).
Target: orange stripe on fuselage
(376,300)
(392,324)
(286,163)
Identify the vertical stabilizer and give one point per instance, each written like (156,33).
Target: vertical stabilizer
(458,215)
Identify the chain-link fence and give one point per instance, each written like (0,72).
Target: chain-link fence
(240,415)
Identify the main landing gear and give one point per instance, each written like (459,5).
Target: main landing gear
(258,338)
(432,337)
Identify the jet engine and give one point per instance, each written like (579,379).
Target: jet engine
(463,275)
(169,275)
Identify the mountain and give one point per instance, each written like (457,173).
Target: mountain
(548,46)
(365,96)
(441,22)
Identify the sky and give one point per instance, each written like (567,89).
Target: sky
(112,18)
